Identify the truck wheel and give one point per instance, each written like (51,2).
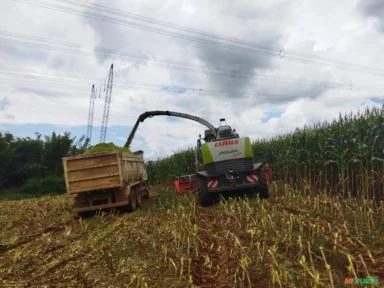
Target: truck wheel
(139,199)
(85,214)
(146,194)
(205,198)
(132,205)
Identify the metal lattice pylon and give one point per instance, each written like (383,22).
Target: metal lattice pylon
(90,114)
(107,104)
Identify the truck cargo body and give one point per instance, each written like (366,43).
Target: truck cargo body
(106,180)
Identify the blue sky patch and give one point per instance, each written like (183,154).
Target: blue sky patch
(378,100)
(270,115)
(175,89)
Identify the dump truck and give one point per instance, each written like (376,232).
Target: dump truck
(225,161)
(106,180)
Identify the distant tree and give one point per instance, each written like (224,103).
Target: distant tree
(25,159)
(6,158)
(55,147)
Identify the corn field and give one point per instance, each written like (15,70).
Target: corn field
(345,156)
(165,170)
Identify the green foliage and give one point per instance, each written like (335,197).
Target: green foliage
(165,170)
(41,186)
(35,165)
(167,199)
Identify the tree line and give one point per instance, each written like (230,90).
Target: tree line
(33,166)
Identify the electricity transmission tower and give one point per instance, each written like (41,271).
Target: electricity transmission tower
(107,104)
(90,114)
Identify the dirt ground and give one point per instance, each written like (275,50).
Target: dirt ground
(289,240)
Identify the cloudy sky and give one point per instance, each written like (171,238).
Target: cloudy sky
(266,66)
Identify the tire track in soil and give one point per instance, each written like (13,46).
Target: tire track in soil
(214,266)
(51,229)
(86,251)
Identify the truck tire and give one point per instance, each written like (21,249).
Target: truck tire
(146,194)
(85,214)
(204,197)
(132,205)
(139,198)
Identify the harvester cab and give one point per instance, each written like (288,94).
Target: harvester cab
(224,131)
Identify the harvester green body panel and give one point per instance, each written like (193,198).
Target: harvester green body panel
(227,149)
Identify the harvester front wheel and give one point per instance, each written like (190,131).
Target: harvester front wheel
(205,198)
(263,193)
(263,188)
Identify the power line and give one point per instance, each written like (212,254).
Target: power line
(78,80)
(64,81)
(43,43)
(69,10)
(182,32)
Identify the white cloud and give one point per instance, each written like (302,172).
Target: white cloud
(329,62)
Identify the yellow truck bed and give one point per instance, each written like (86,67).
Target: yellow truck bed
(111,175)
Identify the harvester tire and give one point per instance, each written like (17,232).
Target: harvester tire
(263,193)
(250,193)
(263,188)
(205,198)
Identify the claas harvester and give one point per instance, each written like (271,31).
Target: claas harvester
(224,160)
